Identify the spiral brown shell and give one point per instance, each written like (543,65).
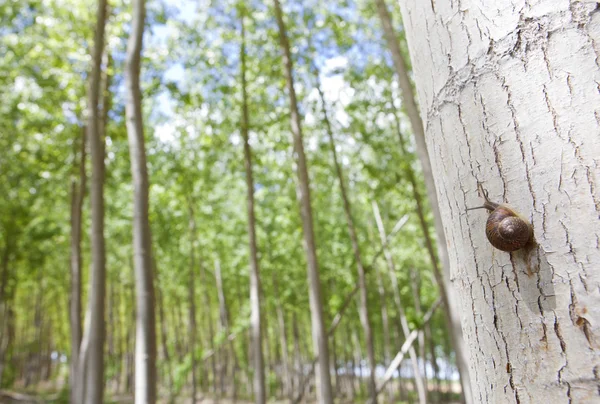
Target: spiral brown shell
(506,230)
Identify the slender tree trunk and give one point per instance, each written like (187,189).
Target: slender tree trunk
(515,110)
(178,324)
(319,334)
(145,338)
(416,294)
(38,323)
(357,359)
(223,325)
(192,299)
(297,356)
(334,359)
(7,314)
(362,282)
(129,364)
(210,327)
(110,331)
(434,364)
(287,382)
(164,333)
(384,324)
(92,371)
(350,365)
(77,196)
(267,359)
(6,253)
(229,350)
(401,314)
(118,332)
(255,316)
(244,357)
(443,279)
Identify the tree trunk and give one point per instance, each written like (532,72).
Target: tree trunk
(118,332)
(297,356)
(401,314)
(362,282)
(511,103)
(416,295)
(319,334)
(92,371)
(211,331)
(385,325)
(77,196)
(443,277)
(349,360)
(434,364)
(287,382)
(145,338)
(260,396)
(224,328)
(163,332)
(192,298)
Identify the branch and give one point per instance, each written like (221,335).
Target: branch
(389,373)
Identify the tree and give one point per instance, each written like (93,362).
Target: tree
(319,334)
(442,275)
(510,104)
(145,338)
(77,196)
(362,282)
(255,317)
(91,354)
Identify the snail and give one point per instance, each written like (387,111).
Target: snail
(505,229)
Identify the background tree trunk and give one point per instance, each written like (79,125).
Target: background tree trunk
(362,282)
(260,395)
(192,298)
(403,322)
(77,196)
(511,102)
(287,380)
(145,337)
(319,334)
(442,276)
(93,373)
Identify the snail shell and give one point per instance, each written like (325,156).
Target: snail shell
(506,230)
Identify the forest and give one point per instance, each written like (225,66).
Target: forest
(279,201)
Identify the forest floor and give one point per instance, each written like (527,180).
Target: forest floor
(12,397)
(47,394)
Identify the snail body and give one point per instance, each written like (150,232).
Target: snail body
(505,229)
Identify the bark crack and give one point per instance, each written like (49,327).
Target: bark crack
(503,337)
(552,111)
(563,347)
(517,130)
(592,185)
(462,123)
(528,33)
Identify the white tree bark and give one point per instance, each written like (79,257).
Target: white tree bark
(260,392)
(509,96)
(145,318)
(319,334)
(90,385)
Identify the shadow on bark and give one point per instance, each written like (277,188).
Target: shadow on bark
(533,276)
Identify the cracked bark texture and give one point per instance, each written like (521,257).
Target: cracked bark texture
(510,97)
